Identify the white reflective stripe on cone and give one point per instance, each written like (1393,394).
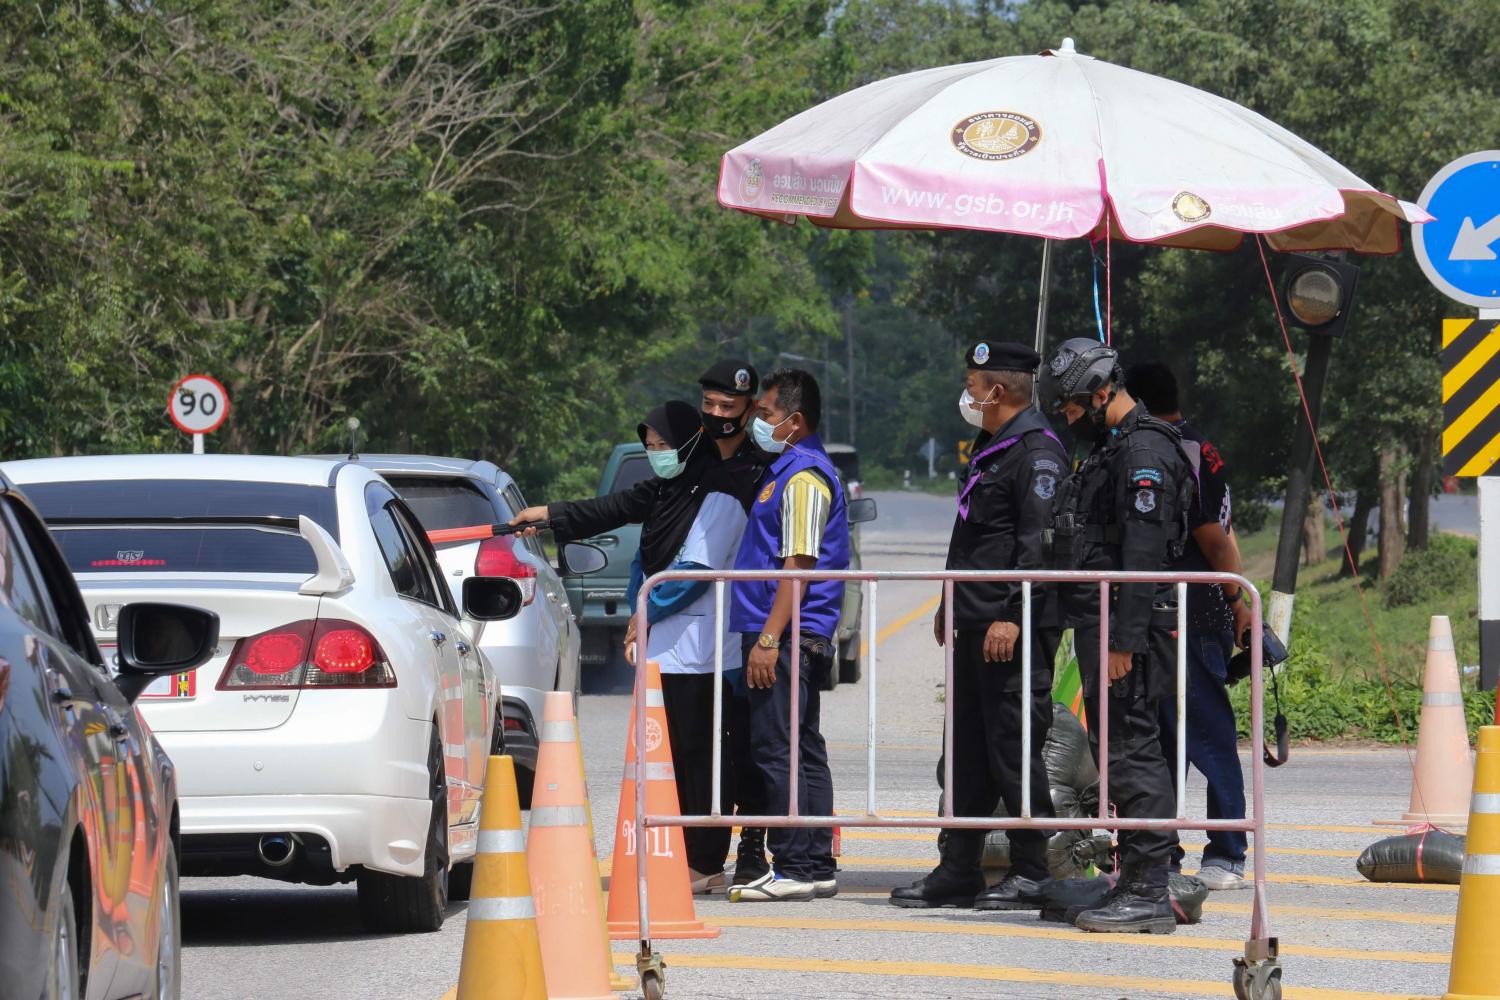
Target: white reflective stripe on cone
(502,842)
(558,816)
(654,699)
(1441,643)
(654,772)
(502,908)
(559,731)
(1443,698)
(1485,804)
(1482,864)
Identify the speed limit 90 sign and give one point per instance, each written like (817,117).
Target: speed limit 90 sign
(198,404)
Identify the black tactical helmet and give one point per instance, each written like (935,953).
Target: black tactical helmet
(1080,366)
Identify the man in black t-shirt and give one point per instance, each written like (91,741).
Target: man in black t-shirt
(1217,615)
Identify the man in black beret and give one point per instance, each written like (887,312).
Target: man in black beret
(1004,504)
(729,388)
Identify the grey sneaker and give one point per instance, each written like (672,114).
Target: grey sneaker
(1218,878)
(824,888)
(772,888)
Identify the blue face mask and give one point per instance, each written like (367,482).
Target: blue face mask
(665,463)
(763,434)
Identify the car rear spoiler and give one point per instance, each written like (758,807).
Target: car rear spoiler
(334,573)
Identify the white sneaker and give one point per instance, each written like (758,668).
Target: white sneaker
(771,888)
(1218,878)
(706,885)
(824,888)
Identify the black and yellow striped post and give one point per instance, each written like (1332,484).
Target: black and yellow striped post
(1471,396)
(1471,447)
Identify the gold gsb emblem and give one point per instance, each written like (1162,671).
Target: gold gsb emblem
(751,182)
(996,135)
(765,494)
(1190,208)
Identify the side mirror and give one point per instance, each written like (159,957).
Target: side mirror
(861,510)
(491,598)
(580,559)
(157,639)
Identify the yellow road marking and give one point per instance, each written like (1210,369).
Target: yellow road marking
(999,929)
(1330,913)
(924,608)
(995,974)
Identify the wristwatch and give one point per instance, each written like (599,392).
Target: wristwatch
(768,641)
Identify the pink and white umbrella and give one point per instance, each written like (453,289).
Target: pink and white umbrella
(1040,145)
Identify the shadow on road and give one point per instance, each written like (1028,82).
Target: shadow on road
(292,915)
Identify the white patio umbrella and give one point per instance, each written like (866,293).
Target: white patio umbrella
(1041,145)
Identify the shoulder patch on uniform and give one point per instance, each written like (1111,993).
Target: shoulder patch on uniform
(765,494)
(1038,464)
(1045,485)
(1145,501)
(1145,476)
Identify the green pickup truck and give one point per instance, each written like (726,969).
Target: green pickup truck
(599,603)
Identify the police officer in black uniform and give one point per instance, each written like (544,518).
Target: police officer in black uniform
(1004,505)
(1124,509)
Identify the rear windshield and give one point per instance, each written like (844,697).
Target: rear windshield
(444,503)
(92,522)
(634,468)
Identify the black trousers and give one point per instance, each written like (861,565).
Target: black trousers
(689,701)
(802,854)
(987,751)
(746,786)
(1140,782)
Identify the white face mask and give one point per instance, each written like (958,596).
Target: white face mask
(966,404)
(764,432)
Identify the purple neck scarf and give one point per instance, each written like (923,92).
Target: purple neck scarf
(974,471)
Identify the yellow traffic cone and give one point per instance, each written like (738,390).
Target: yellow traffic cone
(502,954)
(1443,775)
(1474,974)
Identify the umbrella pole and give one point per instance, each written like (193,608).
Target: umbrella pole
(1044,294)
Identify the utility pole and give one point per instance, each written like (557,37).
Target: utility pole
(1298,491)
(849,358)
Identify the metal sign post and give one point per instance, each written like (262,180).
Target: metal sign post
(1456,251)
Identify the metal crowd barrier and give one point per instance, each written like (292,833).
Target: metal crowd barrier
(1257,975)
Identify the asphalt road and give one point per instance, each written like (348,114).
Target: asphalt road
(1342,938)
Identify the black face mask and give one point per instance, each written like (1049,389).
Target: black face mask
(718,427)
(1084,429)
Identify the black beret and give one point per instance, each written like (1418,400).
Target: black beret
(738,378)
(1003,356)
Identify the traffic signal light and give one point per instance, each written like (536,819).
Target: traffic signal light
(1317,292)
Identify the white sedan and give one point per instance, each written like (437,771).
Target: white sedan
(343,727)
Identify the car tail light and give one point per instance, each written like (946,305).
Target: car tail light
(497,557)
(306,654)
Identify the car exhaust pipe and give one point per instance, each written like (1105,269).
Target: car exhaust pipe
(276,849)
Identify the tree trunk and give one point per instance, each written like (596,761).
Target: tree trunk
(1359,529)
(1420,521)
(1392,537)
(1314,542)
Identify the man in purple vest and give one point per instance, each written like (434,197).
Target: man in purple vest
(797,522)
(1004,504)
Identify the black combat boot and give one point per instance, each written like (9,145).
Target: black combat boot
(750,862)
(1017,891)
(940,888)
(1139,905)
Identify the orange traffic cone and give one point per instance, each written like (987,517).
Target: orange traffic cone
(560,859)
(502,956)
(1474,974)
(1444,772)
(617,981)
(672,914)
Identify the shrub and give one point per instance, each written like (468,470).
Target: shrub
(1441,568)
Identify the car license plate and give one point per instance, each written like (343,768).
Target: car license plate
(179,687)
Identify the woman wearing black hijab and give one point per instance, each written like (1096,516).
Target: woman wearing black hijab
(692,515)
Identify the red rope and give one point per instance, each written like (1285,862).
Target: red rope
(1338,517)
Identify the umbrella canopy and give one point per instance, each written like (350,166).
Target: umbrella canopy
(1041,145)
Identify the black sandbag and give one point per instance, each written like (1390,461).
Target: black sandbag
(1433,856)
(1064,899)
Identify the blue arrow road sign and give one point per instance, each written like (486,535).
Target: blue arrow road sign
(1460,249)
